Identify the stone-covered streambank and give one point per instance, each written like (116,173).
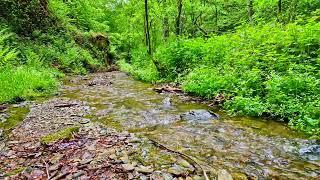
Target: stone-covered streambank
(57,141)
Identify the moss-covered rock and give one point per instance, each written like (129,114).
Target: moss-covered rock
(60,135)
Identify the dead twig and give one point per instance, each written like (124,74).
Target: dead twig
(47,169)
(181,154)
(61,176)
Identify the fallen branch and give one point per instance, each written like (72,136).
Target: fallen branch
(65,105)
(168,88)
(181,154)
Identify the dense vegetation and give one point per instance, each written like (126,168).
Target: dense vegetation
(40,40)
(260,56)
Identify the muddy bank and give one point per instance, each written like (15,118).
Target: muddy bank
(126,130)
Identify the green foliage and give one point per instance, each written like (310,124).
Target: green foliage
(140,59)
(270,70)
(7,54)
(179,57)
(85,15)
(25,16)
(66,56)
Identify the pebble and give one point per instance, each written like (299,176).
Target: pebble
(184,163)
(125,159)
(78,174)
(176,170)
(86,161)
(167,176)
(135,140)
(224,175)
(128,167)
(84,121)
(143,169)
(113,156)
(196,177)
(239,176)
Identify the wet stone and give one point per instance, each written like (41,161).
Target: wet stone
(199,116)
(310,152)
(167,103)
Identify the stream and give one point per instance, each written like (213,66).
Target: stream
(245,148)
(255,147)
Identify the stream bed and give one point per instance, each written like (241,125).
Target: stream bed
(258,148)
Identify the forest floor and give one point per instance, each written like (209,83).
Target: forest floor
(56,141)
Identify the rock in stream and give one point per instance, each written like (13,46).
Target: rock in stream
(198,116)
(311,153)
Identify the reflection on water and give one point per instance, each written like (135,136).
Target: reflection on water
(258,148)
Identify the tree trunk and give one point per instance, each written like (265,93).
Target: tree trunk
(216,16)
(279,18)
(178,19)
(279,6)
(147,28)
(166,29)
(250,10)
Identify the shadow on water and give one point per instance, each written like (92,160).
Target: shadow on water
(255,147)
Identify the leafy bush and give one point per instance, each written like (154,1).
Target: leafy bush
(140,59)
(7,54)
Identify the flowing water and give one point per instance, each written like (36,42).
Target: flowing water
(257,148)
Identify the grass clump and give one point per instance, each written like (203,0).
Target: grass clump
(26,82)
(15,172)
(60,135)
